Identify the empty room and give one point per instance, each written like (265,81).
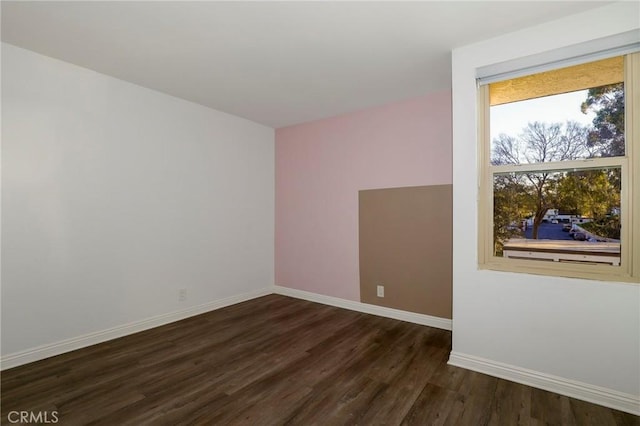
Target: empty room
(320,213)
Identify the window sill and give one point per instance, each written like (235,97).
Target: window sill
(597,272)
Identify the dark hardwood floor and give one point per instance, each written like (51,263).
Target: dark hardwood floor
(282,361)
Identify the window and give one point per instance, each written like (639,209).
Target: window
(560,167)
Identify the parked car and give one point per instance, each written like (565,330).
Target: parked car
(579,236)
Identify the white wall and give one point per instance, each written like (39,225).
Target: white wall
(115,196)
(578,330)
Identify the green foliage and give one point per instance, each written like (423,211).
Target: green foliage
(607,227)
(607,135)
(591,193)
(510,204)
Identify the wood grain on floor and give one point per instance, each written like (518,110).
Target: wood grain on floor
(282,361)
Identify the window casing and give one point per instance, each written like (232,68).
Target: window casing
(627,166)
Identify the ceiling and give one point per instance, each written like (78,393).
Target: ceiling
(276,63)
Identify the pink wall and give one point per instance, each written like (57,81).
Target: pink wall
(321,166)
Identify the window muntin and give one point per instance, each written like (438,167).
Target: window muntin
(586,162)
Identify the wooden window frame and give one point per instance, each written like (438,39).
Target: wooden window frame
(629,270)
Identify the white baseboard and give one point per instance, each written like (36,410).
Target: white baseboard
(583,391)
(381,311)
(57,348)
(49,350)
(574,389)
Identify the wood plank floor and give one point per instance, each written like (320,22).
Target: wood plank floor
(282,361)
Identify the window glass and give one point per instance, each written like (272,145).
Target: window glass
(575,212)
(569,126)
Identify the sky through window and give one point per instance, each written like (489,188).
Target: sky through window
(511,118)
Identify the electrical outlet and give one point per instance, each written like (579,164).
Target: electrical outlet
(182,295)
(380,291)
